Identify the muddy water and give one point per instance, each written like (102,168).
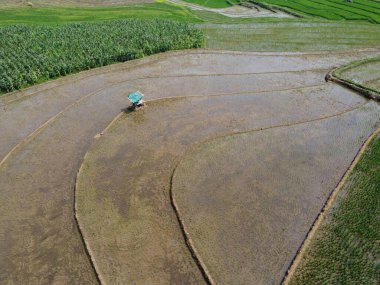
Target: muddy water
(20,119)
(40,243)
(39,240)
(123,194)
(229,71)
(248,200)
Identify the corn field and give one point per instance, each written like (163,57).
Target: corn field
(32,54)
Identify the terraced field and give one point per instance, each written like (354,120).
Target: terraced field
(367,10)
(228,121)
(347,231)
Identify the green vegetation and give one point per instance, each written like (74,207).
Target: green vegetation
(214,3)
(292,35)
(248,34)
(31,54)
(62,15)
(23,48)
(346,248)
(368,10)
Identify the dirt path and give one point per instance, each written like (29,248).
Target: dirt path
(46,130)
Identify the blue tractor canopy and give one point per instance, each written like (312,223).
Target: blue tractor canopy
(135,97)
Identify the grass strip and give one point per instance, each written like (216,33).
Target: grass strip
(340,74)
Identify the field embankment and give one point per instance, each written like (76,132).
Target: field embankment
(363,75)
(247,200)
(345,249)
(32,54)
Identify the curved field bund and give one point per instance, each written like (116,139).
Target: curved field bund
(247,146)
(365,74)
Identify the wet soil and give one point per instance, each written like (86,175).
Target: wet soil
(248,200)
(123,191)
(23,112)
(46,130)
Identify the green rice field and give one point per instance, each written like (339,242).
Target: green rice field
(357,10)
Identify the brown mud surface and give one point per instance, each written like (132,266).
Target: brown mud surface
(47,129)
(248,200)
(24,111)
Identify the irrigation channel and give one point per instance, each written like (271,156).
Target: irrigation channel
(217,180)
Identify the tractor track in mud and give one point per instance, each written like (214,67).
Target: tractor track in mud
(55,117)
(45,124)
(168,77)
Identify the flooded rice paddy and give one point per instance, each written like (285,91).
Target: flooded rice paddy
(248,144)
